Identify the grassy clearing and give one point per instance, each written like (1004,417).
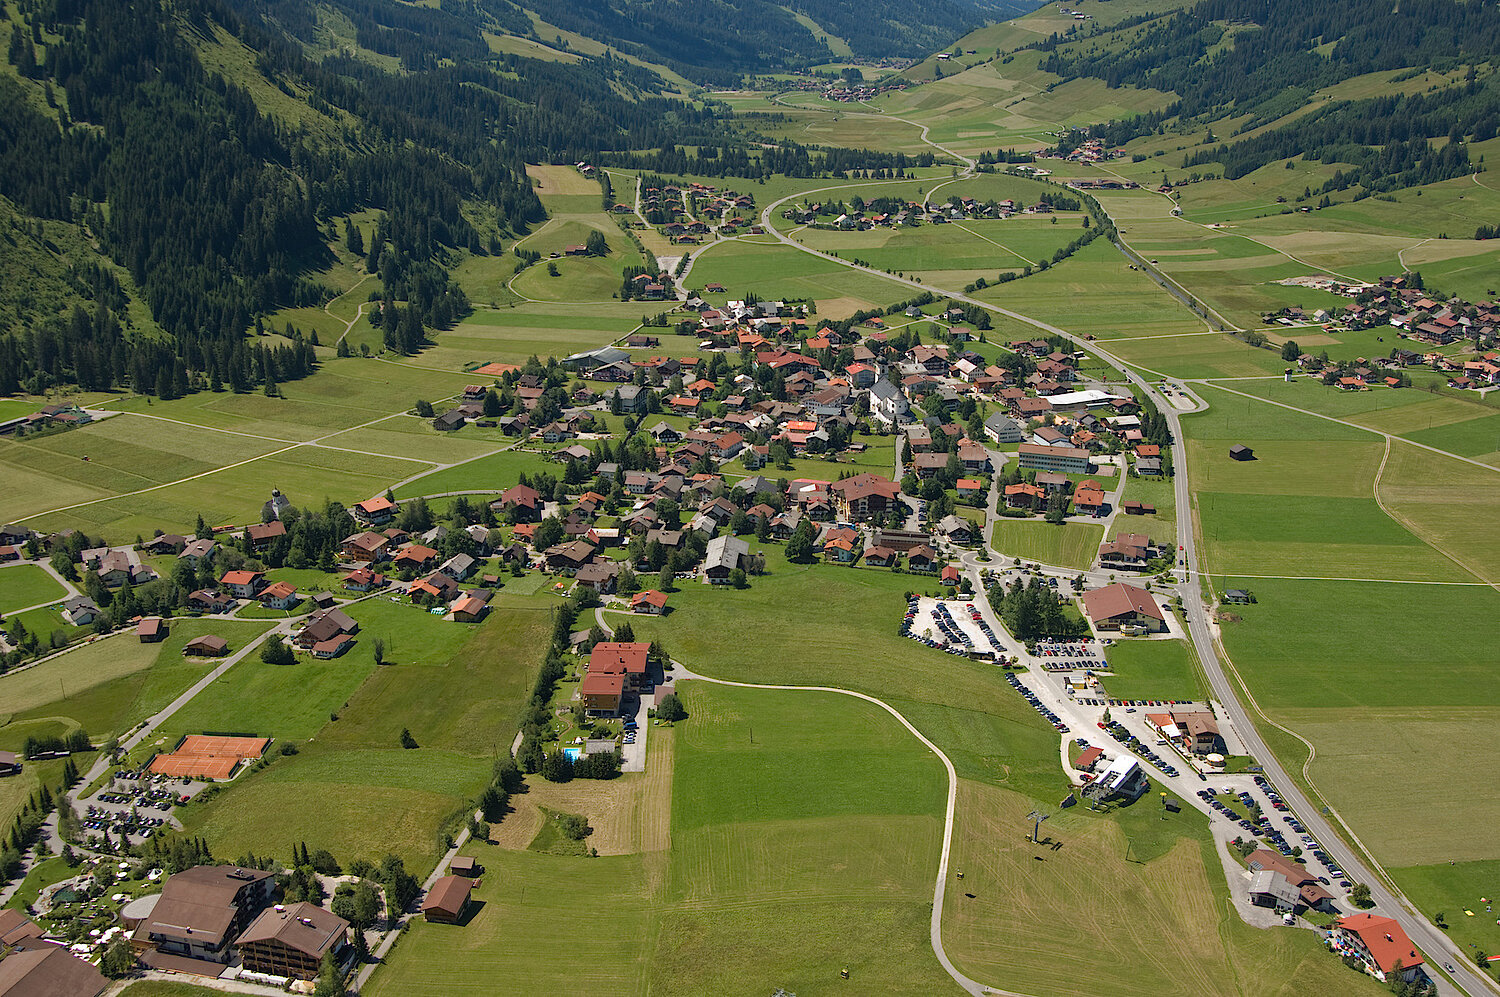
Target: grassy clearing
(1450,890)
(109,685)
(27,585)
(1154,669)
(495,472)
(1071,545)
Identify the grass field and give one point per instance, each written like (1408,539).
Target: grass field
(109,685)
(1071,545)
(773,884)
(24,585)
(352,788)
(1165,910)
(1154,669)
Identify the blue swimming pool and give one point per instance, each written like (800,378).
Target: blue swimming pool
(573,753)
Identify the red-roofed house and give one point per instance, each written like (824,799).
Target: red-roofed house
(1380,944)
(650,602)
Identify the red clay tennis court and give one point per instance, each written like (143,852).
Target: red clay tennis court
(209,756)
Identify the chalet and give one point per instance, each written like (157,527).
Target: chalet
(650,602)
(415,557)
(1297,890)
(569,557)
(80,610)
(363,580)
(458,567)
(880,557)
(922,558)
(956,528)
(375,511)
(864,495)
(1120,605)
(209,601)
(201,912)
(601,576)
(165,543)
(1127,552)
(243,584)
(968,487)
(1379,943)
(279,595)
(367,546)
(1088,498)
(470,609)
(1023,495)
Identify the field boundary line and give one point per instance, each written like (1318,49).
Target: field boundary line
(992,242)
(1342,422)
(1412,527)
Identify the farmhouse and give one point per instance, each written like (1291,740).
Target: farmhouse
(292,940)
(448,900)
(723,555)
(1119,605)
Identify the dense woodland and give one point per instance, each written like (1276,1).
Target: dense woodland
(1226,58)
(218,212)
(716,41)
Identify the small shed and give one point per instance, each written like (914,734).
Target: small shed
(464,865)
(1241,452)
(1238,597)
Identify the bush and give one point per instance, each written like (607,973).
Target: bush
(277,652)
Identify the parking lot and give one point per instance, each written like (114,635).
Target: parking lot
(1081,720)
(133,804)
(951,625)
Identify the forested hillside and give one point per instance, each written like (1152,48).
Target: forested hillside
(715,40)
(1252,64)
(212,209)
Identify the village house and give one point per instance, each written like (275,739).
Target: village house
(1381,944)
(374,512)
(243,584)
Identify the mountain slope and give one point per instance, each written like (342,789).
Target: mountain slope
(199,152)
(1244,66)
